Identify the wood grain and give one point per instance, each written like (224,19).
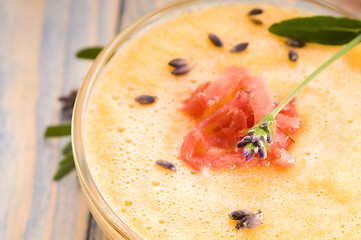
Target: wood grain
(38,40)
(38,65)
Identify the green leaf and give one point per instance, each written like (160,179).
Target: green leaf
(67,149)
(65,166)
(68,158)
(89,53)
(58,131)
(319,29)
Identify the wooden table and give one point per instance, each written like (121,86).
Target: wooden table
(38,41)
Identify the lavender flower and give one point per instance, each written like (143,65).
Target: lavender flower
(257,139)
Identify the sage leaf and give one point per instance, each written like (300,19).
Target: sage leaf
(89,53)
(58,131)
(68,158)
(66,166)
(326,30)
(67,149)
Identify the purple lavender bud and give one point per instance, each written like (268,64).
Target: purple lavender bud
(265,124)
(264,138)
(250,221)
(178,62)
(250,156)
(166,164)
(182,69)
(255,11)
(259,144)
(251,132)
(293,55)
(256,139)
(269,137)
(248,138)
(215,40)
(239,47)
(239,214)
(295,43)
(145,99)
(255,150)
(242,143)
(262,153)
(246,152)
(267,128)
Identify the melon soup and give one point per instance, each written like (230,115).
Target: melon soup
(316,198)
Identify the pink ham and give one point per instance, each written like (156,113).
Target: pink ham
(212,142)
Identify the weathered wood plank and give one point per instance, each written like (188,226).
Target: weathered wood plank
(92,28)
(133,9)
(95,233)
(70,214)
(45,200)
(18,89)
(107,20)
(38,65)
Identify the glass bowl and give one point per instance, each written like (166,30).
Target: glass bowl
(110,223)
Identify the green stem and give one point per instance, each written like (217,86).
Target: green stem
(340,53)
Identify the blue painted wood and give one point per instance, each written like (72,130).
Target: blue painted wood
(45,201)
(18,96)
(37,46)
(133,9)
(95,233)
(7,149)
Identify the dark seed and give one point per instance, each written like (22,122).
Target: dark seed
(239,47)
(178,62)
(295,43)
(166,164)
(251,220)
(256,21)
(239,214)
(293,55)
(255,11)
(183,69)
(145,99)
(215,40)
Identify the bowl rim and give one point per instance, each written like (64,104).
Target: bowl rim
(86,180)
